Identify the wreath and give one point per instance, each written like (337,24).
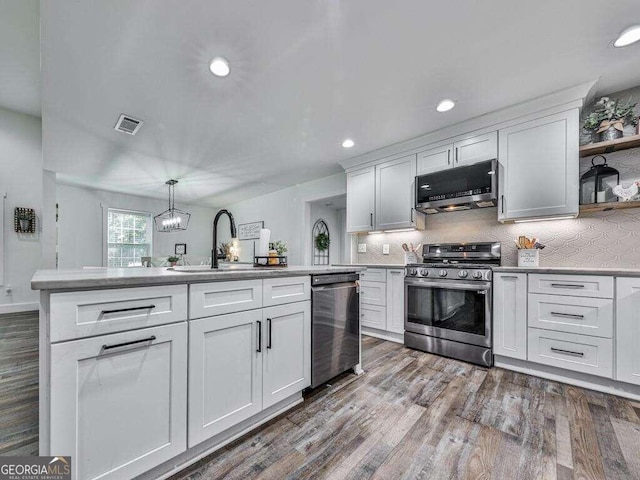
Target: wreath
(322,241)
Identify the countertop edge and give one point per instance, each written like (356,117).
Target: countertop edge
(613,272)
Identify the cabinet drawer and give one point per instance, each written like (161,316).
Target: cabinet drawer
(278,291)
(374,316)
(374,275)
(581,353)
(217,298)
(586,316)
(97,312)
(373,293)
(574,285)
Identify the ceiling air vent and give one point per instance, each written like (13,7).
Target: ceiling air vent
(128,125)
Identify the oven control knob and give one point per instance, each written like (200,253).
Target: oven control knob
(443,273)
(477,275)
(463,274)
(413,272)
(424,272)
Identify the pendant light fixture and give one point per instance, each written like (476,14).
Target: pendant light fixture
(172,219)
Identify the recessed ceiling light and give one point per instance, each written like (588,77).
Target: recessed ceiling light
(629,36)
(445,105)
(219,67)
(348,143)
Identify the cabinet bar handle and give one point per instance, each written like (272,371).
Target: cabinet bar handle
(566,285)
(126,344)
(567,352)
(457,159)
(412,215)
(570,315)
(130,309)
(269,333)
(259,336)
(371,219)
(448,156)
(502,203)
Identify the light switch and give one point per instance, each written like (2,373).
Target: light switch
(385,249)
(362,248)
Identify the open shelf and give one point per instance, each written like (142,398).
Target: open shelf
(603,207)
(599,148)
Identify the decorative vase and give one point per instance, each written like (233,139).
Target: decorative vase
(24,225)
(274,260)
(611,133)
(173,264)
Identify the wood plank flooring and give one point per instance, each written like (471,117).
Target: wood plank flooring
(19,384)
(418,416)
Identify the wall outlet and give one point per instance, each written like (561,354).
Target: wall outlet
(362,248)
(8,290)
(385,249)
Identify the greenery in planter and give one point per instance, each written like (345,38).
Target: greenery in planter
(173,259)
(279,246)
(610,113)
(322,242)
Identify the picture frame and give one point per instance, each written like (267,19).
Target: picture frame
(250,231)
(180,249)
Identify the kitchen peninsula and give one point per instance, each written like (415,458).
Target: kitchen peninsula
(145,370)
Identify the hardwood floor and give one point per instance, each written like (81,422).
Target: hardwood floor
(19,384)
(415,415)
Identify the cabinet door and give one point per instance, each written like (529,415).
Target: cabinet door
(510,315)
(373,293)
(628,330)
(394,193)
(287,351)
(119,401)
(395,300)
(361,187)
(434,159)
(225,372)
(373,316)
(538,168)
(476,149)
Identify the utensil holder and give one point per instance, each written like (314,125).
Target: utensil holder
(410,257)
(529,257)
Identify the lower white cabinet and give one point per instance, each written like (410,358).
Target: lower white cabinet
(287,351)
(628,330)
(395,300)
(382,302)
(510,315)
(373,316)
(225,372)
(118,402)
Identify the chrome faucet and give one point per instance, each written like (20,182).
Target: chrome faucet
(214,251)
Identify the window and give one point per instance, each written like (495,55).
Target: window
(128,237)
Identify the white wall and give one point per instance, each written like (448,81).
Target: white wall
(22,180)
(80,225)
(286,213)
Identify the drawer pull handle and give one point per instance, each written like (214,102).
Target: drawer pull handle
(566,285)
(567,352)
(130,309)
(570,315)
(269,333)
(126,344)
(259,350)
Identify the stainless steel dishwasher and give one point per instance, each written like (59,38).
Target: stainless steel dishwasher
(335,325)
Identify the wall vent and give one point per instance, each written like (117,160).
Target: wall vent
(128,125)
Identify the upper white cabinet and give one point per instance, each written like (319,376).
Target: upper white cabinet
(538,174)
(466,151)
(394,193)
(628,330)
(361,193)
(510,315)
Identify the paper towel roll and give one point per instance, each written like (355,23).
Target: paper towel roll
(263,243)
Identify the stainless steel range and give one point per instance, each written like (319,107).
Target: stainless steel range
(448,301)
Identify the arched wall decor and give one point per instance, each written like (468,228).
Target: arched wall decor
(320,257)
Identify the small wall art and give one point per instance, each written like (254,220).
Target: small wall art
(24,220)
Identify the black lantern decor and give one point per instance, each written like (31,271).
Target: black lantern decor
(596,186)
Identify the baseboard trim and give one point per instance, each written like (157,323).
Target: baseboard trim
(579,379)
(19,307)
(383,334)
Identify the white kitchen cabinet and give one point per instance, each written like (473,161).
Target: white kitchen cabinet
(373,316)
(475,149)
(118,402)
(435,159)
(510,315)
(373,293)
(395,300)
(225,372)
(628,330)
(395,194)
(278,291)
(538,168)
(361,192)
(218,298)
(286,352)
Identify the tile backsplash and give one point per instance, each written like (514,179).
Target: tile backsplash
(601,239)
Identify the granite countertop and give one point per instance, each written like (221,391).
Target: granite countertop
(76,279)
(371,265)
(611,271)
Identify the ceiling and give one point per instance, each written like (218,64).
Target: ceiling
(304,76)
(20,55)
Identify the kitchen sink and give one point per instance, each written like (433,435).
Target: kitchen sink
(208,269)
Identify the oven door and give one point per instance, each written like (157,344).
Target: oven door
(450,309)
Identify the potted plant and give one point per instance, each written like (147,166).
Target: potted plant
(173,260)
(609,118)
(322,241)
